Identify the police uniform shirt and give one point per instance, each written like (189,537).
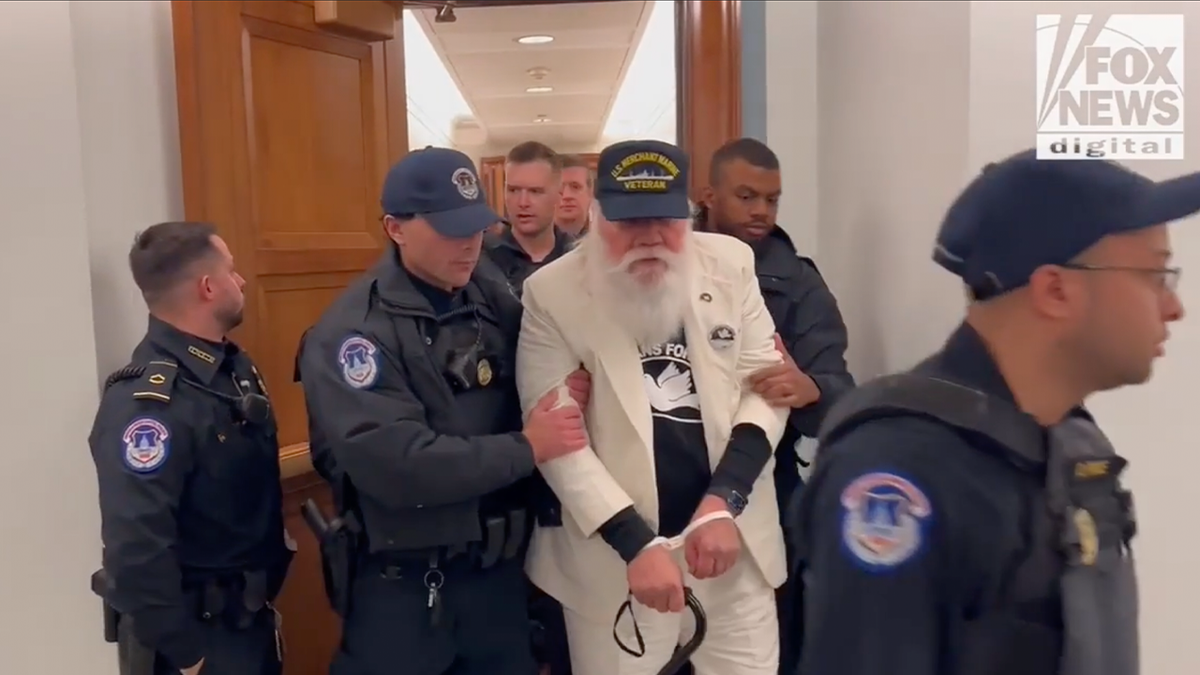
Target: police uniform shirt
(514,261)
(375,381)
(187,489)
(910,532)
(680,449)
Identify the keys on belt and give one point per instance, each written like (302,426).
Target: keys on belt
(434,580)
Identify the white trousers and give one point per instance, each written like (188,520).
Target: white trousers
(742,637)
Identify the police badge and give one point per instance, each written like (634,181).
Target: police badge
(1089,542)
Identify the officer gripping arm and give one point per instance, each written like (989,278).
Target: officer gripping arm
(143,457)
(816,340)
(884,554)
(381,440)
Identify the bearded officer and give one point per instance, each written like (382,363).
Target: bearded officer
(976,524)
(187,460)
(410,385)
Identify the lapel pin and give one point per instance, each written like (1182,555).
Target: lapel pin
(722,337)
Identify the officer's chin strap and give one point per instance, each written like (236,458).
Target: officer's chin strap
(670,544)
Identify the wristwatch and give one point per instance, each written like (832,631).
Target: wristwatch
(735,500)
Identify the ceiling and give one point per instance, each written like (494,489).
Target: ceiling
(584,66)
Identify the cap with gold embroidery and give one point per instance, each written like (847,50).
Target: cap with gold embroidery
(642,179)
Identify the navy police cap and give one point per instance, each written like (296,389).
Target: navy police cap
(642,179)
(1022,213)
(441,186)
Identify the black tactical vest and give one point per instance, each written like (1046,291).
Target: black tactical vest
(1078,569)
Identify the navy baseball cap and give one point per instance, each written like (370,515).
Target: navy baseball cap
(441,186)
(1022,213)
(642,179)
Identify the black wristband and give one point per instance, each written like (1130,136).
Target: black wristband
(748,452)
(627,533)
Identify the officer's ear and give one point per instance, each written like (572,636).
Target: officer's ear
(393,227)
(1055,292)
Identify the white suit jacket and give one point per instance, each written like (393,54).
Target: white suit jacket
(563,328)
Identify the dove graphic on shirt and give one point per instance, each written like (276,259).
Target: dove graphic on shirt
(670,391)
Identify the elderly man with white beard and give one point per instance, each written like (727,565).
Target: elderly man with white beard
(675,489)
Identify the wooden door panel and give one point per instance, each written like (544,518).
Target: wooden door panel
(310,644)
(288,303)
(307,183)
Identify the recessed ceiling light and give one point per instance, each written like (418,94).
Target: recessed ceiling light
(535,39)
(539,90)
(541,119)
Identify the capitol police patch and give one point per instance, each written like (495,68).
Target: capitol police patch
(147,444)
(358,358)
(885,519)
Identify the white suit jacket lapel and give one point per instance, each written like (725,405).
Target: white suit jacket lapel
(708,312)
(619,361)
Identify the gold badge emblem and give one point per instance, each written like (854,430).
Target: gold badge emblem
(484,373)
(1089,543)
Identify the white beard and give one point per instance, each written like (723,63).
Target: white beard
(651,311)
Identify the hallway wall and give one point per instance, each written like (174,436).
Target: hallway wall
(912,99)
(89,152)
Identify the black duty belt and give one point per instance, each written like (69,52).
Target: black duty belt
(505,537)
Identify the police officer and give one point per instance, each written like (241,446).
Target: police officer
(742,200)
(187,461)
(532,182)
(409,380)
(966,518)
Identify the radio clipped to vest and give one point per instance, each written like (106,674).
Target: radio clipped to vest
(1088,521)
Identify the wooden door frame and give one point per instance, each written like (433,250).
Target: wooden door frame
(708,104)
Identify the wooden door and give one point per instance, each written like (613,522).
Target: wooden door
(491,173)
(290,115)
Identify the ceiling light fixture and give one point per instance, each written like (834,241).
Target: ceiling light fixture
(535,39)
(541,119)
(539,90)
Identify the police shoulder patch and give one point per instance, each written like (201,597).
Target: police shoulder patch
(147,443)
(358,359)
(885,520)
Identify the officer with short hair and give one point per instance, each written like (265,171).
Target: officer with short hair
(967,517)
(187,461)
(410,385)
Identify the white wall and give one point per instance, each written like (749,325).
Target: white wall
(791,88)
(125,75)
(88,155)
(913,98)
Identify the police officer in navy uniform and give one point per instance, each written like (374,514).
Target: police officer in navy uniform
(742,200)
(529,240)
(967,517)
(187,461)
(409,381)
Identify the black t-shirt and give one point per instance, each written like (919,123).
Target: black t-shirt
(680,451)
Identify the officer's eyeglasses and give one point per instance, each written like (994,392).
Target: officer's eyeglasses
(1167,278)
